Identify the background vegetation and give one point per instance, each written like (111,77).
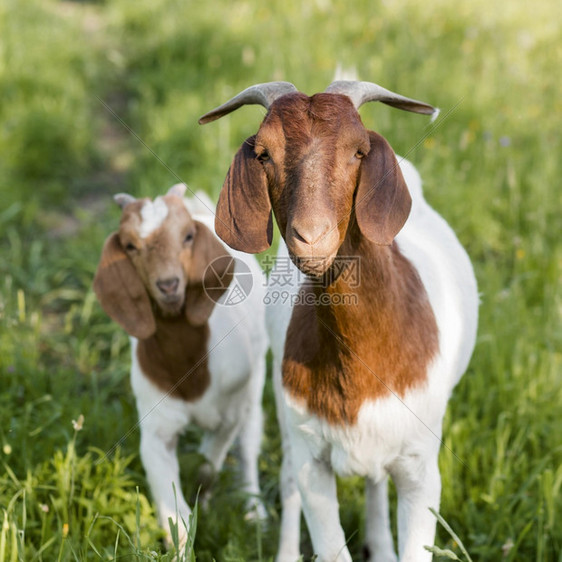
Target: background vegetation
(101,97)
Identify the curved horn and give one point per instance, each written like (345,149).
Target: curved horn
(123,199)
(261,94)
(362,92)
(177,189)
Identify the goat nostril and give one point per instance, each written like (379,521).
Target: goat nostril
(299,236)
(311,235)
(168,286)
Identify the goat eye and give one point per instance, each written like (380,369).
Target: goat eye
(359,154)
(130,247)
(264,156)
(188,238)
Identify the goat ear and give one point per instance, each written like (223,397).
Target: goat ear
(382,202)
(243,218)
(121,293)
(210,274)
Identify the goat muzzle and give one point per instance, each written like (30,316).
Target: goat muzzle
(314,266)
(168,287)
(312,244)
(169,296)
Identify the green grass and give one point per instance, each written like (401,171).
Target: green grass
(490,165)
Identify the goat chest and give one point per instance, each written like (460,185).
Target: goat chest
(388,432)
(338,357)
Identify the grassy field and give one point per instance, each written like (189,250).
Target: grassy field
(102,97)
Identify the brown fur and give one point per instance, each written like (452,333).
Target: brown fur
(337,357)
(312,143)
(172,329)
(175,358)
(336,188)
(243,219)
(314,126)
(382,202)
(311,174)
(121,292)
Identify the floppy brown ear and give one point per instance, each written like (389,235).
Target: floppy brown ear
(382,202)
(243,218)
(121,292)
(210,274)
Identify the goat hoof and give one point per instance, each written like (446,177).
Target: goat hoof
(206,477)
(368,556)
(255,511)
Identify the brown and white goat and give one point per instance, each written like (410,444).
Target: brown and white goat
(194,359)
(362,385)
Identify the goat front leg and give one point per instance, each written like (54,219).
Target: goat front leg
(214,447)
(250,445)
(379,544)
(418,484)
(289,534)
(160,461)
(317,484)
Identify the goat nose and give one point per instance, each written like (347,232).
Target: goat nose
(311,233)
(168,286)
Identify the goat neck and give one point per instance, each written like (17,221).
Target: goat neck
(175,357)
(358,341)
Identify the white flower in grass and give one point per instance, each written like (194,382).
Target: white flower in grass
(79,423)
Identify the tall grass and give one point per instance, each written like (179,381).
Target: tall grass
(103,97)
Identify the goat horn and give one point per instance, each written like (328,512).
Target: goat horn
(261,94)
(123,199)
(177,189)
(362,92)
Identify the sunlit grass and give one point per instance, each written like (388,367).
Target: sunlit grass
(490,165)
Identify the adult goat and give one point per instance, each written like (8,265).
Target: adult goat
(362,387)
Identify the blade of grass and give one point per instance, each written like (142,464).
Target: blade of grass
(452,533)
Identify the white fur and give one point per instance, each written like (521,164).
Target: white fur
(396,436)
(201,207)
(229,408)
(153,214)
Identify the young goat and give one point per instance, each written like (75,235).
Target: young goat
(192,361)
(362,383)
